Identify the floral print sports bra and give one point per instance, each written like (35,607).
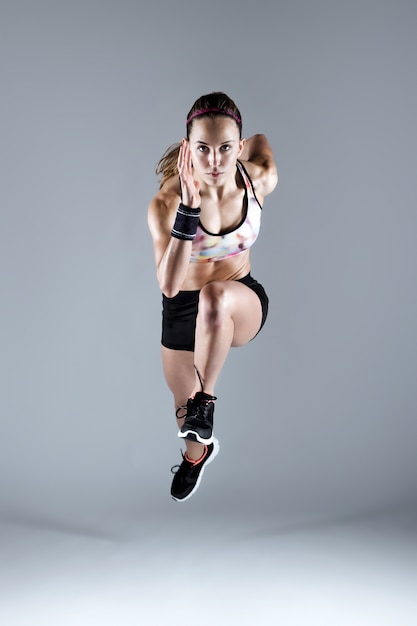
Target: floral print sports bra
(211,247)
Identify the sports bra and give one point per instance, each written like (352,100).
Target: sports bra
(211,247)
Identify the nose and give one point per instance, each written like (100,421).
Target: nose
(214,158)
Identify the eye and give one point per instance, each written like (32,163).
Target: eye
(202,148)
(225,147)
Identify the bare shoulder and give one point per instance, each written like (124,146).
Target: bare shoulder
(258,159)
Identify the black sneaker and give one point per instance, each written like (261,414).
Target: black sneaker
(198,425)
(189,474)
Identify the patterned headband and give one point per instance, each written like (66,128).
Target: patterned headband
(214,110)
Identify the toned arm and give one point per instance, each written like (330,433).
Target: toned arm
(172,256)
(258,152)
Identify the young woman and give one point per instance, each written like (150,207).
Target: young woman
(203,221)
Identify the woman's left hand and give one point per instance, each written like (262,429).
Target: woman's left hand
(190,188)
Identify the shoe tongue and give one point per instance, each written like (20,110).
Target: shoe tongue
(204,397)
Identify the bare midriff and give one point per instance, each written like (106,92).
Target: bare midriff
(233,268)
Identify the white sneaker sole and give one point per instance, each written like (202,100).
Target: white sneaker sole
(191,435)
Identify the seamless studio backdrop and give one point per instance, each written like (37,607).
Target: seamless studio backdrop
(317,417)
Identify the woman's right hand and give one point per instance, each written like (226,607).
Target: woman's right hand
(190,188)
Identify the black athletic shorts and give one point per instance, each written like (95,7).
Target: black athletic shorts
(180,312)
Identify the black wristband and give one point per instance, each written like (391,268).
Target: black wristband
(186,222)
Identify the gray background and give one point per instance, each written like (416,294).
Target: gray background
(317,417)
(324,401)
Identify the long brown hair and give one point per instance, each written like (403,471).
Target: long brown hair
(209,105)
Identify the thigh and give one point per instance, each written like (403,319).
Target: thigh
(241,304)
(247,314)
(179,372)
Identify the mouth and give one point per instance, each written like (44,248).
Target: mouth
(215,174)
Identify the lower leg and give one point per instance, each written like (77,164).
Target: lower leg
(229,314)
(181,376)
(213,338)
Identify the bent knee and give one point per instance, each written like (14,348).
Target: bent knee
(213,304)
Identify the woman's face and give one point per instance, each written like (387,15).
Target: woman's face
(215,146)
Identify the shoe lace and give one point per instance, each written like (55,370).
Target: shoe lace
(182,407)
(175,468)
